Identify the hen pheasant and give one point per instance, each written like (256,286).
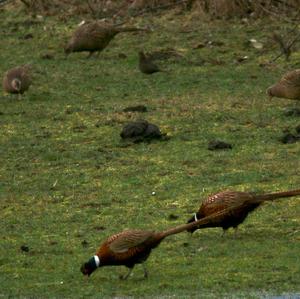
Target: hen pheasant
(17,80)
(94,37)
(287,87)
(146,65)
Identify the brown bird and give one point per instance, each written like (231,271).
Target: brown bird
(242,203)
(287,87)
(133,247)
(94,37)
(17,80)
(146,65)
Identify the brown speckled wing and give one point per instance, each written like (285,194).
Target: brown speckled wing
(220,201)
(291,78)
(126,240)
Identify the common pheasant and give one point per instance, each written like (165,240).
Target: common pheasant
(242,203)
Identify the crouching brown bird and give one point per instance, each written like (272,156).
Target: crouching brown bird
(94,37)
(287,87)
(17,80)
(242,203)
(132,247)
(146,65)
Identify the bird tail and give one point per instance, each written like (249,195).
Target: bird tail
(273,196)
(216,217)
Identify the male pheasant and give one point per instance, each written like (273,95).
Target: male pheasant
(132,247)
(242,203)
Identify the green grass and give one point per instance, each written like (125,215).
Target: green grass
(66,177)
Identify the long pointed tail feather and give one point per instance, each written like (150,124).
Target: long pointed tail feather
(276,195)
(219,216)
(216,217)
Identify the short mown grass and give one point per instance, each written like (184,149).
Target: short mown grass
(67,181)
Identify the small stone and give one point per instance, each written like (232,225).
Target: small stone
(199,46)
(99,228)
(289,138)
(173,217)
(122,55)
(292,112)
(217,144)
(215,43)
(138,108)
(28,36)
(24,248)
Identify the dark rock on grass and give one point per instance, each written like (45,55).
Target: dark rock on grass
(134,129)
(53,242)
(140,131)
(122,55)
(100,228)
(292,112)
(199,46)
(288,138)
(27,36)
(24,248)
(217,145)
(138,108)
(173,217)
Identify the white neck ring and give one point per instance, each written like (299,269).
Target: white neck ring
(195,216)
(97,260)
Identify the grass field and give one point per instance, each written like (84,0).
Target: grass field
(67,181)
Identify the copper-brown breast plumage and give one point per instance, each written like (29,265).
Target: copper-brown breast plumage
(128,247)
